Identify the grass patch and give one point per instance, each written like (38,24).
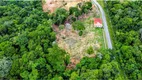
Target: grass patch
(90,50)
(100,37)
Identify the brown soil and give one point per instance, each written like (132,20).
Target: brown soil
(73,62)
(52,5)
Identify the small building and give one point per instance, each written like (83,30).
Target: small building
(98,22)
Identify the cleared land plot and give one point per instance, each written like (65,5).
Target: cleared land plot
(77,45)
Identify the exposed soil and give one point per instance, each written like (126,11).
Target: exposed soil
(121,1)
(52,5)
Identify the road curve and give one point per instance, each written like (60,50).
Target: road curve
(109,43)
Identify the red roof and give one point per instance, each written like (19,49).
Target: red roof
(97,20)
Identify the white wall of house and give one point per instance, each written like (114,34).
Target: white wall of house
(98,25)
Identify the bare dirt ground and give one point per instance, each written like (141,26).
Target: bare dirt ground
(121,0)
(52,5)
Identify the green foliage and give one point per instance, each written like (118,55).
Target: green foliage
(140,34)
(73,19)
(5,65)
(90,75)
(24,75)
(61,27)
(60,16)
(90,50)
(86,6)
(57,78)
(74,76)
(26,39)
(56,59)
(34,74)
(74,11)
(126,24)
(80,33)
(78,25)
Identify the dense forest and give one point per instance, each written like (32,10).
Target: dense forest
(28,50)
(126,20)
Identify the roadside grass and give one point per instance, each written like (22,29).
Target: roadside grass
(100,37)
(101,3)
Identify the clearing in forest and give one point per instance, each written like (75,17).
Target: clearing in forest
(76,45)
(79,46)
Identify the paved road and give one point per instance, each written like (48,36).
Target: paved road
(109,43)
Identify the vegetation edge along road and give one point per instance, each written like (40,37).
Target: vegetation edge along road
(109,22)
(105,24)
(111,30)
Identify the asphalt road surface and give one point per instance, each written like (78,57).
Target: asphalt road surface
(109,43)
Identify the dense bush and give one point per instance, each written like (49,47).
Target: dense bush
(126,20)
(78,25)
(86,7)
(90,50)
(26,42)
(74,11)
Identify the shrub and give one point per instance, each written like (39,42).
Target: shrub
(90,50)
(78,25)
(61,27)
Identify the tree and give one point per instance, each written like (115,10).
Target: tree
(86,6)
(140,31)
(90,75)
(106,71)
(7,49)
(56,57)
(5,65)
(74,76)
(34,74)
(25,75)
(74,11)
(60,16)
(57,78)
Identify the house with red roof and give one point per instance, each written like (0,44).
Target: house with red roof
(98,22)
